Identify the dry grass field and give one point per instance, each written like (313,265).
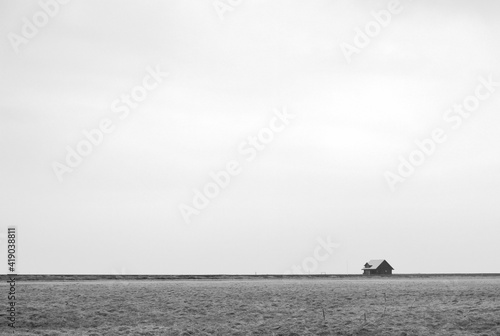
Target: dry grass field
(375,306)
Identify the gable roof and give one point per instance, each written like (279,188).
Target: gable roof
(375,263)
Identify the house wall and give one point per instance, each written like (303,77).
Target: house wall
(384,268)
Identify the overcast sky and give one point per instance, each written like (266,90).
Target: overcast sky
(321,176)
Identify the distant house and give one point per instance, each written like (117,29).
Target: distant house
(378,266)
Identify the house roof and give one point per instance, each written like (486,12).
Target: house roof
(374,264)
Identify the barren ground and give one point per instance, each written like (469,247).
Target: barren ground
(393,306)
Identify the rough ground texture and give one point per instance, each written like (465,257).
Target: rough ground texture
(379,306)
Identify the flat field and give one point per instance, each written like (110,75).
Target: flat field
(374,306)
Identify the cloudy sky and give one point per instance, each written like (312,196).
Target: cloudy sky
(230,68)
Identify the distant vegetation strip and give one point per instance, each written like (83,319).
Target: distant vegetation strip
(98,277)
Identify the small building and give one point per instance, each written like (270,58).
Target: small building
(377,267)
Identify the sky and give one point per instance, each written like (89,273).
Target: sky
(224,71)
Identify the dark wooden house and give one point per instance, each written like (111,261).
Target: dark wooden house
(378,266)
